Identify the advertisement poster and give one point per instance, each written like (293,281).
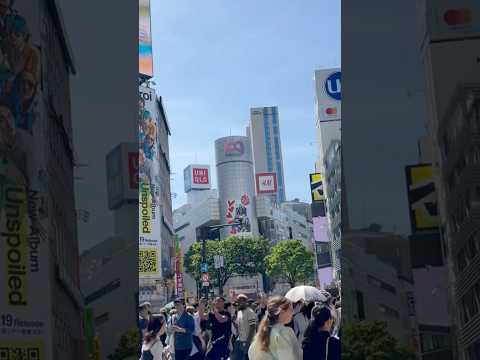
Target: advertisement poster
(149,186)
(316,187)
(23,254)
(240,211)
(197,177)
(145,58)
(422,197)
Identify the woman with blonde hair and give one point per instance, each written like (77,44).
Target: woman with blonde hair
(274,340)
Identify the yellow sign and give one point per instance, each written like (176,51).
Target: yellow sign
(145,208)
(422,197)
(316,187)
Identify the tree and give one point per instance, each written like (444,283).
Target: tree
(128,346)
(371,341)
(242,256)
(290,261)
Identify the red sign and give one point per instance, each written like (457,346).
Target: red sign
(200,176)
(205,277)
(266,183)
(133,170)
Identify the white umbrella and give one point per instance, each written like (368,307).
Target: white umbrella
(306,293)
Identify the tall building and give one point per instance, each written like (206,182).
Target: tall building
(333,176)
(236,186)
(37,164)
(449,50)
(264,133)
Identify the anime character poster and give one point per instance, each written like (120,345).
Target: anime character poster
(239,213)
(19,72)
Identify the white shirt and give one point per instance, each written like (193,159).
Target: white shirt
(245,319)
(283,346)
(300,324)
(196,332)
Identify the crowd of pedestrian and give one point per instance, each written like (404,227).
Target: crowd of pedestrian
(270,329)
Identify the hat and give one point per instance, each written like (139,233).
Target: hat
(242,297)
(145,304)
(179,300)
(220,298)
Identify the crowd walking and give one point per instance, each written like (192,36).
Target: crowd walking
(276,328)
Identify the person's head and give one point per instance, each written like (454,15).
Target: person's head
(179,306)
(279,311)
(242,301)
(145,309)
(307,309)
(219,303)
(190,309)
(297,306)
(322,317)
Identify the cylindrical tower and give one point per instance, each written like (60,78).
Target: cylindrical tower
(236,185)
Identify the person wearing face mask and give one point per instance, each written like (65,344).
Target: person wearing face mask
(274,340)
(318,344)
(245,326)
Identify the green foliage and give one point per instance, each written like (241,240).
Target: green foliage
(371,341)
(127,347)
(290,261)
(242,256)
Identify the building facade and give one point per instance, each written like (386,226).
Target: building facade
(333,176)
(264,133)
(452,94)
(37,157)
(236,185)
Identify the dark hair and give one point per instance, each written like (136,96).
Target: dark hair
(320,315)
(274,307)
(307,310)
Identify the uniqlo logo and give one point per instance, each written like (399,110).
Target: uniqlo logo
(200,176)
(133,170)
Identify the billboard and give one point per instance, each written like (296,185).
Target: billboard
(197,177)
(422,197)
(149,186)
(234,148)
(316,187)
(328,94)
(178,268)
(145,58)
(266,183)
(239,211)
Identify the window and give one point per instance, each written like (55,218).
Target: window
(360,305)
(389,311)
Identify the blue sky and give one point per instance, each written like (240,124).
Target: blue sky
(215,59)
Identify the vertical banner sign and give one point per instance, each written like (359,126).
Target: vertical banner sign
(316,187)
(149,186)
(24,266)
(240,211)
(422,197)
(178,267)
(145,58)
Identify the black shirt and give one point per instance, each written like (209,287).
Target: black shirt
(314,348)
(220,329)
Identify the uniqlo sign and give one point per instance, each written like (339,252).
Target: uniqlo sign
(200,176)
(266,183)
